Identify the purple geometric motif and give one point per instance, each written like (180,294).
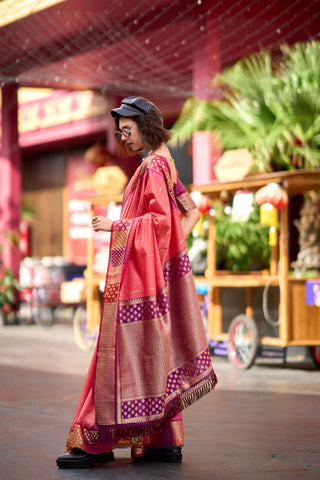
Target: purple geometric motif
(130,313)
(91,436)
(183,374)
(177,268)
(168,273)
(183,266)
(144,310)
(142,407)
(162,301)
(116,257)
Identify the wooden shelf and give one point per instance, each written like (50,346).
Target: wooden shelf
(295,181)
(238,280)
(221,337)
(272,341)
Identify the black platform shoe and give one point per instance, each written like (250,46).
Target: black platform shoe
(151,454)
(81,459)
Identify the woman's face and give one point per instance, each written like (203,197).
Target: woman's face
(134,141)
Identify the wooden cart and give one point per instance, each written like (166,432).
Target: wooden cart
(299,324)
(87,318)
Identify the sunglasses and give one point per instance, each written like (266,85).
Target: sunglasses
(126,132)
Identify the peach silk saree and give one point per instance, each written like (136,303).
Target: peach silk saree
(151,359)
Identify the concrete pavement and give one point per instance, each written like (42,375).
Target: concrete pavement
(259,424)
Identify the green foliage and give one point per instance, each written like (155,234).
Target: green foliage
(242,246)
(8,287)
(27,213)
(273,110)
(8,284)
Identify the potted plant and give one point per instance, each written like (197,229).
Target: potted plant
(241,246)
(8,290)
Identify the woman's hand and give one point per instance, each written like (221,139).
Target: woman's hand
(101,223)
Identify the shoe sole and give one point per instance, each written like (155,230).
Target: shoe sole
(166,457)
(92,461)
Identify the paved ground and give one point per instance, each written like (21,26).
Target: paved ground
(259,424)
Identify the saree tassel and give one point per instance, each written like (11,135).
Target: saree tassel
(202,389)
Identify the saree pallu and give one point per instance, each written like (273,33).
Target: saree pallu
(151,359)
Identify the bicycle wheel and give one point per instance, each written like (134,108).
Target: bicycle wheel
(243,341)
(85,339)
(315,352)
(43,316)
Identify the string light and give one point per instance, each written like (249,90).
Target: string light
(125,47)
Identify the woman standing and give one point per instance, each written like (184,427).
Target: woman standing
(151,359)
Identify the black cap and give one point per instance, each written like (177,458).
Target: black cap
(132,106)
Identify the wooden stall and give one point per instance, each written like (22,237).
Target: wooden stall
(299,324)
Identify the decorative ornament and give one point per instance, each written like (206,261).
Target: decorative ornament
(272,193)
(106,181)
(233,165)
(109,180)
(98,155)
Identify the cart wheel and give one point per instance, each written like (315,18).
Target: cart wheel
(43,316)
(85,340)
(243,341)
(315,352)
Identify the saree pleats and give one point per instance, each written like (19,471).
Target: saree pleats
(151,360)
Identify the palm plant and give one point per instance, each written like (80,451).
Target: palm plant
(271,109)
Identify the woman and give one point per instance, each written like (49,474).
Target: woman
(151,359)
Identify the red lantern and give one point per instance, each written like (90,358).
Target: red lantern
(24,240)
(274,194)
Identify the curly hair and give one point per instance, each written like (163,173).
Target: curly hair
(151,127)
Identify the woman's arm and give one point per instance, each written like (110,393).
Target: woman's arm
(189,220)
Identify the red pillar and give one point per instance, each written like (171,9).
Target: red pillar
(10,175)
(206,64)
